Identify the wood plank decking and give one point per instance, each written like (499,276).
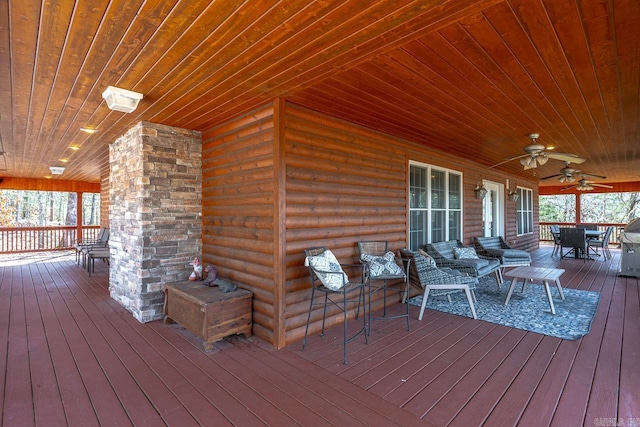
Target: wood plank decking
(73,356)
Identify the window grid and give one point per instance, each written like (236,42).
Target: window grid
(524,214)
(435,205)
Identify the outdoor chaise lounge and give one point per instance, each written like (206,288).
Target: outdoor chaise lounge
(496,247)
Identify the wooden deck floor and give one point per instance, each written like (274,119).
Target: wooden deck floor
(73,356)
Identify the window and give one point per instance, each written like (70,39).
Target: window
(435,205)
(525,211)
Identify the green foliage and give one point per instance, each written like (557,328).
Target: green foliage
(559,208)
(610,207)
(45,208)
(594,207)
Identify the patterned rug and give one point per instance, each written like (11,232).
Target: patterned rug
(529,310)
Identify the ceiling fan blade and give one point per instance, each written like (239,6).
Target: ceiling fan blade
(569,187)
(565,157)
(552,176)
(508,160)
(588,175)
(600,185)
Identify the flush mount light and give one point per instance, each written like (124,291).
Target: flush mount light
(74,147)
(122,100)
(89,130)
(56,170)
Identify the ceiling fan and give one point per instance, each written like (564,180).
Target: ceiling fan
(586,185)
(568,174)
(538,154)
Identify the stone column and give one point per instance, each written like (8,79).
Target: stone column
(155,214)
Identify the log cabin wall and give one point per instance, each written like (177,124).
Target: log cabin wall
(343,184)
(239,210)
(283,178)
(346,183)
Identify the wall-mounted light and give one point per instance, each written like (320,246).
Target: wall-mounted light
(480,190)
(513,195)
(122,100)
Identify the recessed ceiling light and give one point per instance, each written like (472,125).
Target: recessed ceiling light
(64,160)
(89,130)
(74,147)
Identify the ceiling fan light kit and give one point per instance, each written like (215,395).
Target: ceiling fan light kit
(568,174)
(586,185)
(539,154)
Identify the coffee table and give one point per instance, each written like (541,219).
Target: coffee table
(543,274)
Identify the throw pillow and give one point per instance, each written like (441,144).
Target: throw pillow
(427,257)
(328,270)
(465,253)
(382,265)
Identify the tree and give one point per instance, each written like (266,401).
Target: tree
(558,208)
(72,209)
(609,207)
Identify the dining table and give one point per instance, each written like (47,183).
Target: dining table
(589,234)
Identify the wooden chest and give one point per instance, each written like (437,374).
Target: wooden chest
(208,312)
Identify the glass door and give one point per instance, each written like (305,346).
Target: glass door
(493,210)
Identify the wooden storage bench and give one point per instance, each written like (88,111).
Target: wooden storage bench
(208,312)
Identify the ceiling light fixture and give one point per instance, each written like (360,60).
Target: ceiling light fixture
(74,147)
(122,100)
(56,170)
(89,130)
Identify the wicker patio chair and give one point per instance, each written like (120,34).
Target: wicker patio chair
(444,255)
(438,281)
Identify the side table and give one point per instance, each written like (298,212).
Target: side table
(544,274)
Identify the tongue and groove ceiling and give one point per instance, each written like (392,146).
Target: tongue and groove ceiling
(472,78)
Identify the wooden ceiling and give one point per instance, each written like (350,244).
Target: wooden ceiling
(470,77)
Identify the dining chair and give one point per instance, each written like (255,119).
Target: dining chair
(555,232)
(602,243)
(576,240)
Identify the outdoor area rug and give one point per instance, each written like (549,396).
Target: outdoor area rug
(529,310)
